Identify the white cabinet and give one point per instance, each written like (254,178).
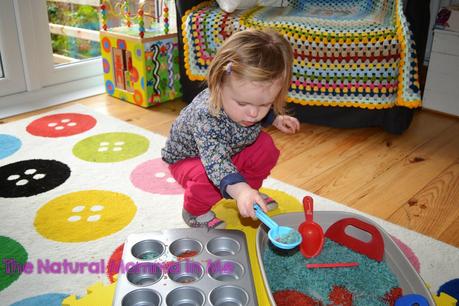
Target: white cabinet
(441,91)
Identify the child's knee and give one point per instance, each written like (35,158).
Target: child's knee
(269,153)
(189,170)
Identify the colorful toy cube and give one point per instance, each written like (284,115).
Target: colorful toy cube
(140,65)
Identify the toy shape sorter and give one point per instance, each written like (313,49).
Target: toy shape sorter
(140,53)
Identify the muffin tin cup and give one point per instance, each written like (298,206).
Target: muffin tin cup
(228,296)
(144,274)
(185,271)
(185,248)
(186,267)
(148,249)
(226,270)
(140,297)
(186,296)
(223,246)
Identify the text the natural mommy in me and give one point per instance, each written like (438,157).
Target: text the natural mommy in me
(46,266)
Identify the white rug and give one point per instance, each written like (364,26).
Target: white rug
(75,184)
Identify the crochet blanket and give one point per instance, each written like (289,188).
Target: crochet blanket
(354,53)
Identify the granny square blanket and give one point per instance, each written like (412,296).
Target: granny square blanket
(354,53)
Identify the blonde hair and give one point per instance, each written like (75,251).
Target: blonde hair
(253,55)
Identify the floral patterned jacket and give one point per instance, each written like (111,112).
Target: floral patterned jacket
(214,139)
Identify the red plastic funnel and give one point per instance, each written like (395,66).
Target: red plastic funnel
(311,232)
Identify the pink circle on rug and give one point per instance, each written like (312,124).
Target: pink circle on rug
(408,253)
(153,176)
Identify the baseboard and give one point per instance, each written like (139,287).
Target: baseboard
(48,96)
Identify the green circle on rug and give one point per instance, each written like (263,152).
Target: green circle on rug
(111,147)
(84,215)
(12,256)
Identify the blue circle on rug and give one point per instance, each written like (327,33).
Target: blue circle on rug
(8,145)
(50,299)
(31,177)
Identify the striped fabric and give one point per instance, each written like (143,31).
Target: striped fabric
(355,53)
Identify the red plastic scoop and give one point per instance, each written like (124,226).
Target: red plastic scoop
(311,232)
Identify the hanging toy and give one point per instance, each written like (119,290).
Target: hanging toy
(141,22)
(127,14)
(103,13)
(166,18)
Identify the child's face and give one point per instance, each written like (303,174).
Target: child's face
(247,102)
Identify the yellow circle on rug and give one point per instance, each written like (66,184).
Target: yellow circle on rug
(84,215)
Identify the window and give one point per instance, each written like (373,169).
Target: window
(50,53)
(2,74)
(11,70)
(61,47)
(74,27)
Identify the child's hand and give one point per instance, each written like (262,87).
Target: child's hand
(287,124)
(245,198)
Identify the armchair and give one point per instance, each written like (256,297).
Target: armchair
(355,62)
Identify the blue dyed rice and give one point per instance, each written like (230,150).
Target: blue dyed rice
(368,282)
(150,255)
(291,237)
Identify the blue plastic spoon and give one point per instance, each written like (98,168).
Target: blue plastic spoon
(283,237)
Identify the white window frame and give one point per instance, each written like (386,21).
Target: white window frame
(37,43)
(13,80)
(45,84)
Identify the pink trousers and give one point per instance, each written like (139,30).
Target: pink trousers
(254,163)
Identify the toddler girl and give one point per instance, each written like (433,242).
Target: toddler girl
(216,147)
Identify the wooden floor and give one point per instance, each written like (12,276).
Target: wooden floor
(411,180)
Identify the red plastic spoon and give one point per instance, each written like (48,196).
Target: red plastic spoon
(311,232)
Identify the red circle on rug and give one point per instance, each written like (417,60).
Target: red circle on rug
(153,176)
(61,125)
(114,262)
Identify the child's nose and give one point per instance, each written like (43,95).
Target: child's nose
(253,112)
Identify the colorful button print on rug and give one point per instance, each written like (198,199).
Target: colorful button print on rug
(69,200)
(111,147)
(61,125)
(30,177)
(8,145)
(85,215)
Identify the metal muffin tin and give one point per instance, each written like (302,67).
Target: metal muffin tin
(185,267)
